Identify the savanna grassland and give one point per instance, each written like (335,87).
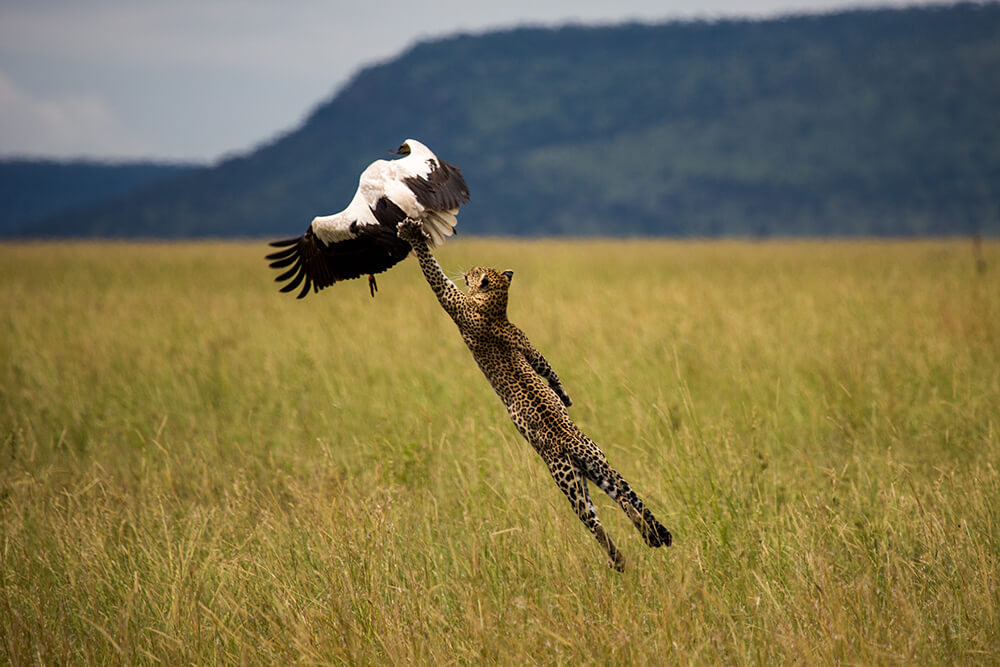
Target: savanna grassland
(197,469)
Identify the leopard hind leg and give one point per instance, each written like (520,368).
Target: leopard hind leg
(594,464)
(572,481)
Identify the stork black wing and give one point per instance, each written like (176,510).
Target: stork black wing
(316,265)
(444,187)
(388,214)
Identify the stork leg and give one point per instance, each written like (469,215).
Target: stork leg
(372,285)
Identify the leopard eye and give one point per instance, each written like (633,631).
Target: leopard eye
(484,283)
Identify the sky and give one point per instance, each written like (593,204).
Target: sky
(199,80)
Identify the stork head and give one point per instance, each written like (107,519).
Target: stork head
(488,289)
(413,146)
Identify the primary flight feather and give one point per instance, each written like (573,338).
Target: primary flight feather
(361,239)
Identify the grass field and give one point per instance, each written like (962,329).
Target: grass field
(197,469)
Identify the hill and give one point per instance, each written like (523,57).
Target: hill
(32,190)
(869,122)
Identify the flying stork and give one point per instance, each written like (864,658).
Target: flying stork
(362,239)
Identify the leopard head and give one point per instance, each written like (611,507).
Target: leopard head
(488,289)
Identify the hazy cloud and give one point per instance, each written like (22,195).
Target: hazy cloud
(70,125)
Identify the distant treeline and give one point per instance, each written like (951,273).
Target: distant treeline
(33,190)
(869,122)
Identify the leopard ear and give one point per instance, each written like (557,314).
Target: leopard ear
(509,274)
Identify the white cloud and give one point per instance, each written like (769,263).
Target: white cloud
(67,125)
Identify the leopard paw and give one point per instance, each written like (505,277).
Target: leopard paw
(411,231)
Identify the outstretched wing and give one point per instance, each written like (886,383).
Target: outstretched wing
(315,265)
(442,188)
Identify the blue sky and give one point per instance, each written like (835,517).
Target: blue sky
(201,79)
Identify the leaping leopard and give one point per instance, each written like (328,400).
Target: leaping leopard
(531,391)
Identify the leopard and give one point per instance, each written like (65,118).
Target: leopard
(532,393)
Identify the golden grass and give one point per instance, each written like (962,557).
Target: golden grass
(194,468)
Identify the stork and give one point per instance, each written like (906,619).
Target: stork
(361,239)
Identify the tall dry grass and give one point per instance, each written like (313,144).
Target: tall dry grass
(198,469)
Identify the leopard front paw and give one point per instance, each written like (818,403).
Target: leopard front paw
(564,397)
(561,393)
(411,231)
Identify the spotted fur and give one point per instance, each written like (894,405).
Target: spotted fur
(534,396)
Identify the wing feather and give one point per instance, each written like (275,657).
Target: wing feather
(280,262)
(316,265)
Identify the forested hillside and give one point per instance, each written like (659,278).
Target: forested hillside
(879,122)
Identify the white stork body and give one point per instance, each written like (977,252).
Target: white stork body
(362,239)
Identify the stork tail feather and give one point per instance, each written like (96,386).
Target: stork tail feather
(439,225)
